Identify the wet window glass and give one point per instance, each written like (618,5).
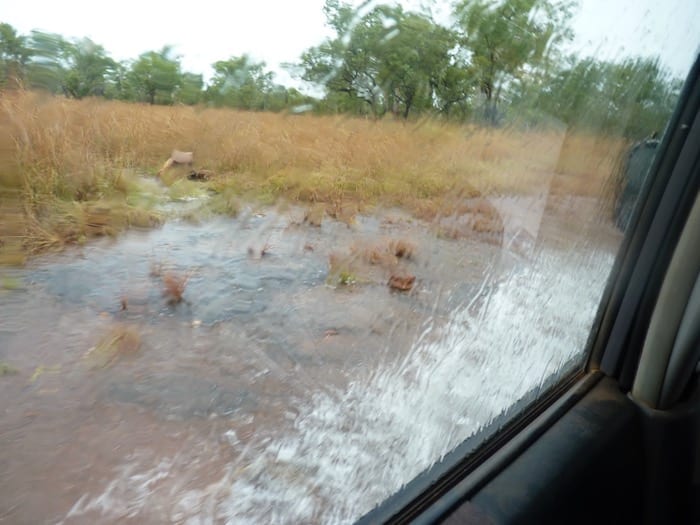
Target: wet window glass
(267,263)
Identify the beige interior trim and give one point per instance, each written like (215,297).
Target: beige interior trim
(668,313)
(685,354)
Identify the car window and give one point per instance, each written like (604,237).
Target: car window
(269,262)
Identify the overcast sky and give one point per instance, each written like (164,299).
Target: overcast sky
(277,31)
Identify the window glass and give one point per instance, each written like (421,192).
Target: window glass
(266,263)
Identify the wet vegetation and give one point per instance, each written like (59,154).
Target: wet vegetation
(7,370)
(174,285)
(482,110)
(76,169)
(118,343)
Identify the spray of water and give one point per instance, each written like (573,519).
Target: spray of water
(349,450)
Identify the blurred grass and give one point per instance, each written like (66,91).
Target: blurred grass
(7,369)
(119,342)
(71,170)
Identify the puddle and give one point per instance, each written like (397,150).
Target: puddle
(272,392)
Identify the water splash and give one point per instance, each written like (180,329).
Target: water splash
(348,450)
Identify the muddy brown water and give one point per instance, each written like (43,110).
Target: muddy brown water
(202,385)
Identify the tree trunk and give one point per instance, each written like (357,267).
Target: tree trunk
(406,109)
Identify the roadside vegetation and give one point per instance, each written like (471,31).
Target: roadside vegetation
(77,169)
(482,109)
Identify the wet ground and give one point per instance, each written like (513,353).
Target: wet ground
(261,369)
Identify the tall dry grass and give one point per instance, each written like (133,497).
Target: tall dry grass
(66,163)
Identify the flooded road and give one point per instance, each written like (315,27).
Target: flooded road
(261,369)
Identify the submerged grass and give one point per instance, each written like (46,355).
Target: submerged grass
(75,169)
(119,342)
(7,369)
(9,283)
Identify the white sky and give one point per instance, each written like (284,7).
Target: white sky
(277,31)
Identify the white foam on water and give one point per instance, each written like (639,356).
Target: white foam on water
(347,451)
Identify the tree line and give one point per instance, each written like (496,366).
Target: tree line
(499,61)
(81,68)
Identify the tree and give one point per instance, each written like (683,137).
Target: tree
(454,89)
(419,68)
(155,76)
(346,65)
(119,83)
(280,98)
(14,55)
(87,69)
(240,82)
(386,59)
(508,38)
(47,67)
(641,96)
(76,68)
(632,98)
(190,89)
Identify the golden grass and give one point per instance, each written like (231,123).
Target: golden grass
(70,169)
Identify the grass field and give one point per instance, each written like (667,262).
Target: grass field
(75,169)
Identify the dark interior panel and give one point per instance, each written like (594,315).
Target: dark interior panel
(608,460)
(591,455)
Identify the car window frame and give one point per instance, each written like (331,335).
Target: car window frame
(666,198)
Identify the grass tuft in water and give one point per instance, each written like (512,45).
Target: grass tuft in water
(119,342)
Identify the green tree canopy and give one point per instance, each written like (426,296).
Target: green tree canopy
(501,59)
(87,69)
(387,59)
(155,76)
(506,39)
(47,66)
(77,68)
(419,68)
(191,89)
(14,55)
(633,98)
(240,82)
